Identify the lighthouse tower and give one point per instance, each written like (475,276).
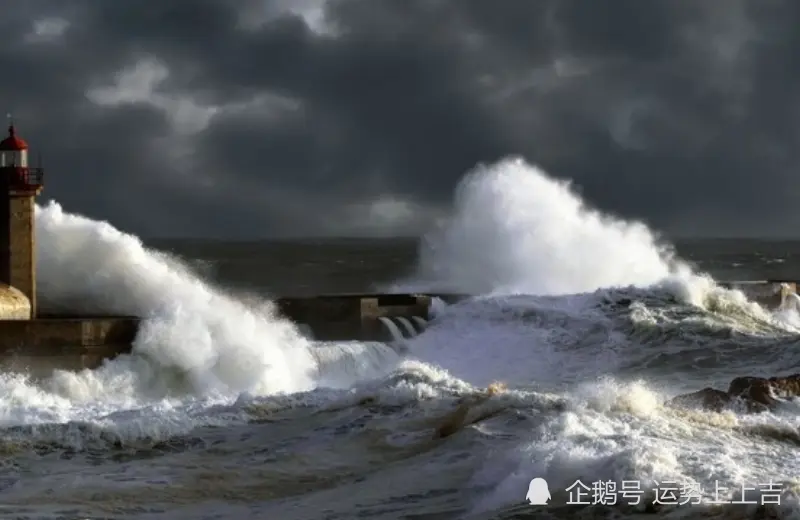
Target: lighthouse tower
(19,185)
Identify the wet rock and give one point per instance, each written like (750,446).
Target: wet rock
(757,394)
(755,389)
(762,390)
(708,398)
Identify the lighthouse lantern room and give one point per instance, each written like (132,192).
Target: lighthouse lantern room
(19,185)
(14,162)
(13,150)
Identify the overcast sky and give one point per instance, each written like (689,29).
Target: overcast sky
(253,118)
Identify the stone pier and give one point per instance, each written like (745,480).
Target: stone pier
(73,342)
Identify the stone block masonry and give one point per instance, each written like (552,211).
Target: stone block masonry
(22,247)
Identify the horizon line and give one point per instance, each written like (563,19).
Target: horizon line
(299,238)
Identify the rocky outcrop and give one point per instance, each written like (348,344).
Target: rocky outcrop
(708,398)
(756,394)
(763,390)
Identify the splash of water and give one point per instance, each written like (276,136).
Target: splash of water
(517,230)
(214,341)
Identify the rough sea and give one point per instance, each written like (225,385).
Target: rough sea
(226,411)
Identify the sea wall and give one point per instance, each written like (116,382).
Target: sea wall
(70,343)
(76,342)
(46,335)
(362,317)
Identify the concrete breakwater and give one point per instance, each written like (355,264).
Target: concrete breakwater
(65,342)
(362,317)
(75,342)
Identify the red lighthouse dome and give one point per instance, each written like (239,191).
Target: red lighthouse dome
(12,142)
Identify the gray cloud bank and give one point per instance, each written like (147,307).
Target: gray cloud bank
(310,117)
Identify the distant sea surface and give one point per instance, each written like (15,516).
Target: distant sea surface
(320,266)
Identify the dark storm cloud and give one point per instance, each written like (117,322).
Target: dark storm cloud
(256,118)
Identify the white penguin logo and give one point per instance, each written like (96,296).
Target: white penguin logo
(538,492)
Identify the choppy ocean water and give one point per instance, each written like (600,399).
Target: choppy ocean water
(227,411)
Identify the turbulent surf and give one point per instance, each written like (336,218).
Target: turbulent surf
(589,322)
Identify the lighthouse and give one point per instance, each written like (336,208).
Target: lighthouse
(32,341)
(19,185)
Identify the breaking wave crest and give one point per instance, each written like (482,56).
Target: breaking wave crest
(195,339)
(517,230)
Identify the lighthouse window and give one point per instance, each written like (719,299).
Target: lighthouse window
(14,158)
